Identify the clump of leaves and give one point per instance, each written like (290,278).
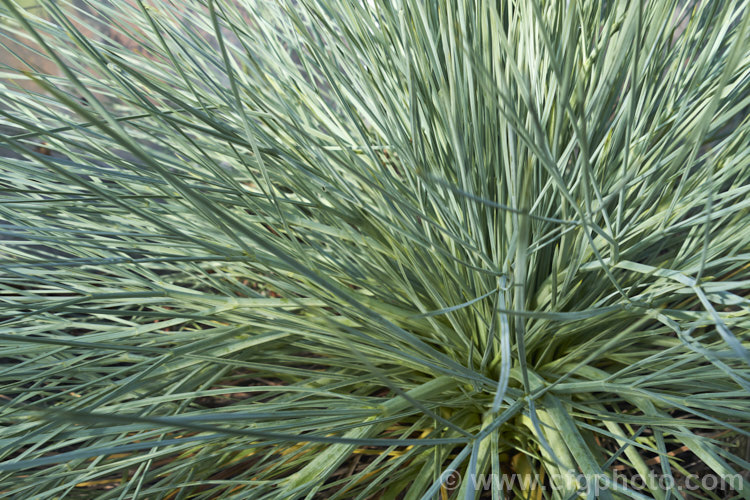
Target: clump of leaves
(320,247)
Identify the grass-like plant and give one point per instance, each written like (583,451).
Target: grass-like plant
(340,249)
